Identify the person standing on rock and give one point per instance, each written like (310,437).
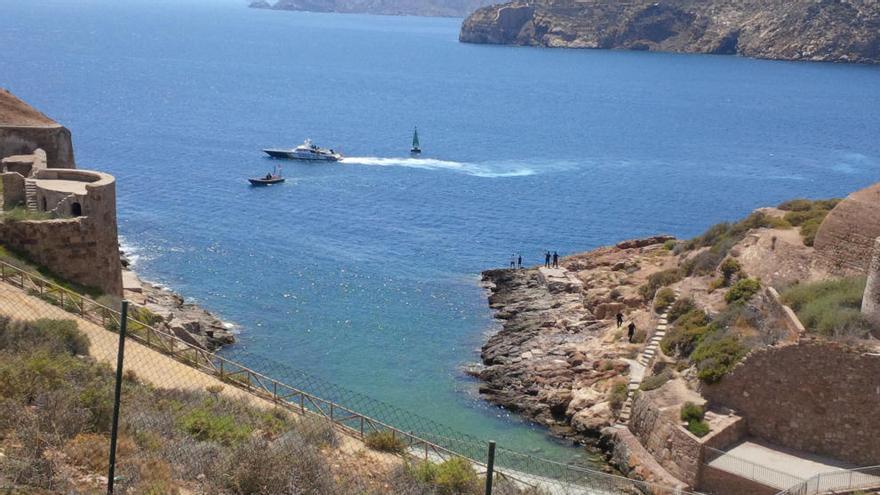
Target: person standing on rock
(631,331)
(619,319)
(513,261)
(555,259)
(519,261)
(546,259)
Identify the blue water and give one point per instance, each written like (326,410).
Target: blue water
(366,273)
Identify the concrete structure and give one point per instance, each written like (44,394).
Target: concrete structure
(871,300)
(79,242)
(23,130)
(845,240)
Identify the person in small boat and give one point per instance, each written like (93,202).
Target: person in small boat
(268,176)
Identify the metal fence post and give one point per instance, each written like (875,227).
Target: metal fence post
(490,468)
(117,397)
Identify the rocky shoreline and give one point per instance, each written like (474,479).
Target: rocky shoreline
(169,311)
(559,352)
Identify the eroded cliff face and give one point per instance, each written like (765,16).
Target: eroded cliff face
(823,30)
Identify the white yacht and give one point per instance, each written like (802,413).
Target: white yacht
(305,151)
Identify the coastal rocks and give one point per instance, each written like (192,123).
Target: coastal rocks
(826,30)
(647,241)
(187,321)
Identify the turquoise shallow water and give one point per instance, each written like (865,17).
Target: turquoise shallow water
(366,273)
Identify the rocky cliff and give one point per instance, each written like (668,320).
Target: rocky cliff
(819,30)
(435,8)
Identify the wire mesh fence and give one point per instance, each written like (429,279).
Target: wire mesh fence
(195,419)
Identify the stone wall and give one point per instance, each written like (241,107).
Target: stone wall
(871,301)
(674,448)
(24,140)
(783,319)
(836,415)
(845,240)
(717,482)
(13,189)
(70,249)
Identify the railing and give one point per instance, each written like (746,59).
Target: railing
(867,478)
(521,468)
(749,470)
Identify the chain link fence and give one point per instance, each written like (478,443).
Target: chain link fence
(194,421)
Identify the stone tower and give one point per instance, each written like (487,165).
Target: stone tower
(871,301)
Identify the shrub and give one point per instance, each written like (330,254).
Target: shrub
(830,308)
(424,472)
(53,336)
(698,427)
(670,244)
(690,411)
(617,394)
(385,441)
(680,307)
(316,431)
(715,357)
(742,290)
(654,382)
(809,230)
(729,268)
(686,334)
(206,424)
(658,280)
(287,465)
(665,297)
(456,476)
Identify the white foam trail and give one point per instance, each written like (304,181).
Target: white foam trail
(475,169)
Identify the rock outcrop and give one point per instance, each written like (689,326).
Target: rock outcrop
(823,30)
(845,240)
(434,8)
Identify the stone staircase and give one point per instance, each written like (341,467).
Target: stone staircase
(645,360)
(30,194)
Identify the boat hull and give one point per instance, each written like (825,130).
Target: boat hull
(265,182)
(274,153)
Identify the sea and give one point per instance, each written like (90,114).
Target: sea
(363,277)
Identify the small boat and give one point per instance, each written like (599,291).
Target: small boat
(269,179)
(416,149)
(305,151)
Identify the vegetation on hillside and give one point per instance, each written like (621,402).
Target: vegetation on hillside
(55,413)
(832,307)
(808,215)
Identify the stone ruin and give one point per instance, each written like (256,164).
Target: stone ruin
(69,225)
(871,300)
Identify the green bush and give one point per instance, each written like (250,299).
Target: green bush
(654,382)
(808,215)
(456,476)
(715,357)
(665,297)
(385,441)
(831,308)
(617,394)
(809,230)
(730,268)
(742,290)
(698,427)
(657,281)
(680,307)
(204,424)
(687,332)
(670,244)
(691,411)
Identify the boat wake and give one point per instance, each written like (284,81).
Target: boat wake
(476,169)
